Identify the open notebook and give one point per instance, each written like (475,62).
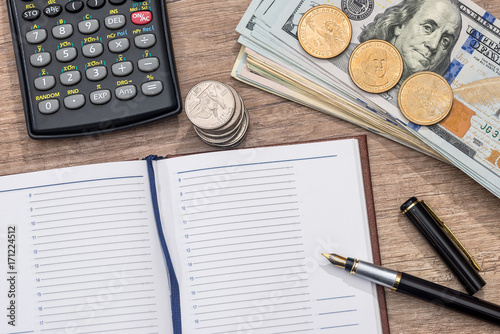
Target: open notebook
(84,249)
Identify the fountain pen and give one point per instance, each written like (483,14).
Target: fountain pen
(418,287)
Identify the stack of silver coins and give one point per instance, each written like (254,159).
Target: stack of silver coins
(218,114)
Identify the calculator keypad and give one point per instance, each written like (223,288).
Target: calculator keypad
(83,55)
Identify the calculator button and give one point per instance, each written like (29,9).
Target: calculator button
(62,31)
(145,41)
(48,106)
(118,45)
(45,83)
(70,78)
(126,92)
(92,50)
(152,88)
(149,64)
(122,68)
(74,6)
(115,21)
(142,17)
(40,59)
(95,4)
(96,73)
(88,26)
(31,14)
(36,36)
(52,10)
(102,96)
(75,101)
(65,55)
(117,2)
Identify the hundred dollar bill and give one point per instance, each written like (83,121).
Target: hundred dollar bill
(456,39)
(255,29)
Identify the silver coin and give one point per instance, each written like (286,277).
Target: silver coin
(227,131)
(241,134)
(216,140)
(217,135)
(233,124)
(238,140)
(210,105)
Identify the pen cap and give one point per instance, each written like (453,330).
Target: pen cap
(434,231)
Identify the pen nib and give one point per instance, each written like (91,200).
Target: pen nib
(336,260)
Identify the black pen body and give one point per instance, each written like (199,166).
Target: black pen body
(440,295)
(419,288)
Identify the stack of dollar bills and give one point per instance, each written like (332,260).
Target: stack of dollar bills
(456,39)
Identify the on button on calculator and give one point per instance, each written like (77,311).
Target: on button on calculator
(141,17)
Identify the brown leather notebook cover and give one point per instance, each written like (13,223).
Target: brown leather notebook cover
(370,209)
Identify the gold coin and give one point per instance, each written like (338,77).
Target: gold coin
(425,98)
(324,31)
(375,66)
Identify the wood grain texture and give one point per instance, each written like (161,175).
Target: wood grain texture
(206,47)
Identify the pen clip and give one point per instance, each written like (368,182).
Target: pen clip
(450,233)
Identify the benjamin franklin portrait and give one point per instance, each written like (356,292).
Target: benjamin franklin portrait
(424,31)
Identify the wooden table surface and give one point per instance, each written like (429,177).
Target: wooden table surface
(206,47)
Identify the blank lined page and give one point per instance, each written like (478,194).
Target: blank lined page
(249,227)
(85,255)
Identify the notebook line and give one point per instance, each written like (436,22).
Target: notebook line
(241,236)
(88,202)
(248,264)
(235,194)
(233,180)
(245,186)
(241,222)
(244,228)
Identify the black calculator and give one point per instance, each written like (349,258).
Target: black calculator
(93,66)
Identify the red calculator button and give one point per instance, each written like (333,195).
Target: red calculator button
(142,17)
